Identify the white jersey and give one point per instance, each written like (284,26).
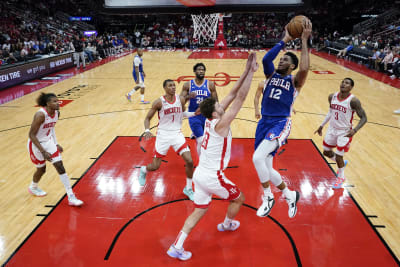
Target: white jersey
(215,149)
(170,115)
(341,113)
(44,133)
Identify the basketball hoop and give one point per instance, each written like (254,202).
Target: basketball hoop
(205,27)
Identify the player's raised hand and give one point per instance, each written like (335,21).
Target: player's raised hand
(287,37)
(307,29)
(254,64)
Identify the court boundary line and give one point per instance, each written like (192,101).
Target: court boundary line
(360,209)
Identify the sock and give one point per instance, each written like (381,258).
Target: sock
(132,92)
(65,180)
(142,97)
(188,183)
(227,222)
(143,169)
(34,185)
(180,239)
(286,192)
(340,173)
(267,191)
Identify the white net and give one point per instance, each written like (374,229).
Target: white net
(205,27)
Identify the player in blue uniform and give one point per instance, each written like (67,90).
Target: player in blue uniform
(138,75)
(274,127)
(203,89)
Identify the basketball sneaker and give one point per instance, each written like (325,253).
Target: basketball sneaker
(73,201)
(179,253)
(36,191)
(142,176)
(128,97)
(266,206)
(232,226)
(292,202)
(338,183)
(189,193)
(397,111)
(144,102)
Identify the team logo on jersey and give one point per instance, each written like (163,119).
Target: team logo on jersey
(271,135)
(220,79)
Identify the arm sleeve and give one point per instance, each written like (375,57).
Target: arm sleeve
(270,56)
(327,118)
(188,114)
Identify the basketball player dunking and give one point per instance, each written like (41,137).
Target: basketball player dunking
(203,89)
(340,131)
(42,146)
(209,176)
(170,112)
(276,106)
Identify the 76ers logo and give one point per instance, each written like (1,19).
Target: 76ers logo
(220,78)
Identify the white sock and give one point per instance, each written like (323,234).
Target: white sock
(267,191)
(227,222)
(180,239)
(287,193)
(143,169)
(340,172)
(65,180)
(142,97)
(34,185)
(188,183)
(132,92)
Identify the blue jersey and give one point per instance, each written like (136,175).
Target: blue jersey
(202,92)
(278,96)
(140,60)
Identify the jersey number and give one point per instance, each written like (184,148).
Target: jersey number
(275,93)
(336,116)
(205,140)
(198,100)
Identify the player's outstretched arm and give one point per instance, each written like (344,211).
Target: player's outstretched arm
(304,65)
(222,127)
(232,94)
(327,117)
(260,88)
(156,106)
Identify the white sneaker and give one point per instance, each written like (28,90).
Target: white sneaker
(73,201)
(266,206)
(396,111)
(36,191)
(292,202)
(232,226)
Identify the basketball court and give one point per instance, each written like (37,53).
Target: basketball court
(124,224)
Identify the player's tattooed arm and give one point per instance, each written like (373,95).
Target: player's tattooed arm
(356,105)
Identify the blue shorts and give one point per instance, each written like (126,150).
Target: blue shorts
(196,123)
(136,78)
(271,128)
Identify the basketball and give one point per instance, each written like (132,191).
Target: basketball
(295,26)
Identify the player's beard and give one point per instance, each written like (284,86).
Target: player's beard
(200,76)
(283,71)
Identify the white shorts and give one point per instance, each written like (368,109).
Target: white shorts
(165,140)
(336,138)
(208,182)
(37,157)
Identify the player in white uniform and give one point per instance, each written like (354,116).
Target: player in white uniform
(170,112)
(42,146)
(215,153)
(138,75)
(340,131)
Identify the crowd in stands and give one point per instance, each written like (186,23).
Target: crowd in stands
(32,31)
